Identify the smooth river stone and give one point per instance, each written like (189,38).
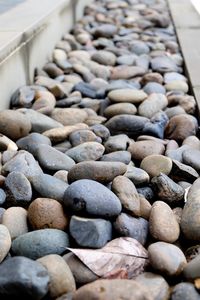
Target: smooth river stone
(180,127)
(137,175)
(156,284)
(105,30)
(126,124)
(154,87)
(136,228)
(97,170)
(163,225)
(103,57)
(5,242)
(47,213)
(166,258)
(191,157)
(177,85)
(127,95)
(61,278)
(91,233)
(81,136)
(120,156)
(115,143)
(86,151)
(172,76)
(30,279)
(126,72)
(167,190)
(89,196)
(120,109)
(125,190)
(69,116)
(192,141)
(31,142)
(52,159)
(112,289)
(192,269)
(163,64)
(153,104)
(140,150)
(183,172)
(49,186)
(15,219)
(191,213)
(38,243)
(156,164)
(184,290)
(14,124)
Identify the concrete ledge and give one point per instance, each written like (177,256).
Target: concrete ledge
(187,24)
(28,34)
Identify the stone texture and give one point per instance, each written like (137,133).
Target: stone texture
(127,95)
(156,164)
(5,242)
(140,150)
(86,151)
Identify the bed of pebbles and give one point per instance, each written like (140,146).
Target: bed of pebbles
(103,145)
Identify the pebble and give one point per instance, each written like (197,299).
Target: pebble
(191,157)
(156,284)
(2,210)
(105,30)
(69,116)
(166,258)
(14,124)
(92,198)
(120,109)
(61,278)
(154,87)
(7,144)
(5,242)
(184,290)
(139,48)
(193,142)
(82,136)
(136,228)
(2,197)
(125,190)
(156,164)
(137,175)
(191,270)
(145,207)
(62,175)
(163,64)
(15,219)
(30,278)
(127,95)
(112,289)
(52,159)
(166,189)
(177,85)
(38,243)
(91,233)
(31,142)
(101,171)
(140,150)
(80,271)
(173,76)
(120,156)
(47,213)
(163,225)
(153,104)
(182,172)
(115,143)
(126,72)
(104,57)
(49,186)
(86,151)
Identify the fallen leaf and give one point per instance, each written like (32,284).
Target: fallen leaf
(123,257)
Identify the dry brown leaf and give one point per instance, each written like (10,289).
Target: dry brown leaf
(123,257)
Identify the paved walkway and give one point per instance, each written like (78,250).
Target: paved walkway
(5,5)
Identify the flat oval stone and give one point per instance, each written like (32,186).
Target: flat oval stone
(97,170)
(52,159)
(154,87)
(61,278)
(81,136)
(93,198)
(104,57)
(156,285)
(30,278)
(115,143)
(112,289)
(120,156)
(120,109)
(15,219)
(177,85)
(163,64)
(31,142)
(125,190)
(19,190)
(80,271)
(86,151)
(126,72)
(140,150)
(163,225)
(139,47)
(128,124)
(127,95)
(184,290)
(156,164)
(166,258)
(5,242)
(191,157)
(191,270)
(47,213)
(153,104)
(49,186)
(166,189)
(180,127)
(91,233)
(69,116)
(14,124)
(38,243)
(136,228)
(145,207)
(105,30)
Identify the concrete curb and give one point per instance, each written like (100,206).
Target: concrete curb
(28,34)
(187,24)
